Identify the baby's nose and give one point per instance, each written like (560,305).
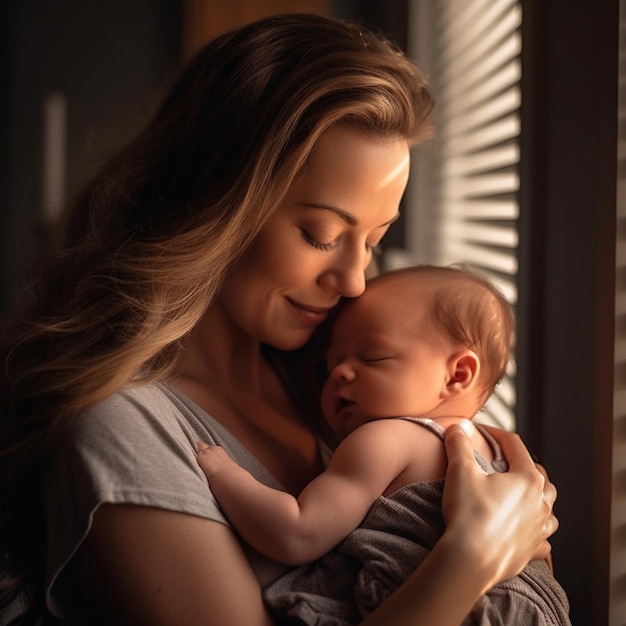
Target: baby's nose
(343,372)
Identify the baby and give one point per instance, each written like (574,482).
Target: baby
(422,349)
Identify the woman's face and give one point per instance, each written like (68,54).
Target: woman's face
(316,246)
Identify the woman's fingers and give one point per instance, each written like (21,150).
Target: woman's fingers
(463,479)
(504,518)
(514,449)
(520,460)
(549,490)
(459,449)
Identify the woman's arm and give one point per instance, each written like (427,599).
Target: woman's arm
(147,566)
(150,567)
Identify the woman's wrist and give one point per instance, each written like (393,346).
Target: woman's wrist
(443,589)
(471,554)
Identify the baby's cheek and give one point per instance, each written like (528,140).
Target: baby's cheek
(387,397)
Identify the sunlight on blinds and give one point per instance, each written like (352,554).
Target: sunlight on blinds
(466,183)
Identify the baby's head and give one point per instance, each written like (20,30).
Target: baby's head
(423,341)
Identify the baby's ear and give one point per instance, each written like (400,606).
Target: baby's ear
(463,368)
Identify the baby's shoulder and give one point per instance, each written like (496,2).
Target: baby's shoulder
(418,447)
(415,445)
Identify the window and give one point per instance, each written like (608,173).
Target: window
(462,205)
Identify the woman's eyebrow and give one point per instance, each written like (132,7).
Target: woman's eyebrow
(344,215)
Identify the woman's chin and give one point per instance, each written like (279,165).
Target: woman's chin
(291,341)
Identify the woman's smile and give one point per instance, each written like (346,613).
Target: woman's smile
(313,315)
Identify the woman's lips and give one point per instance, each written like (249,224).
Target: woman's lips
(312,315)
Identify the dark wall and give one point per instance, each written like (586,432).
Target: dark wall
(567,277)
(108,59)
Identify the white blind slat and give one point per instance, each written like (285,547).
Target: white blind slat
(486,184)
(498,107)
(493,158)
(491,209)
(480,90)
(471,67)
(464,252)
(471,34)
(482,234)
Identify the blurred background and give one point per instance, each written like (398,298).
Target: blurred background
(524,180)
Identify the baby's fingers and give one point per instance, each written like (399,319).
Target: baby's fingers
(212,459)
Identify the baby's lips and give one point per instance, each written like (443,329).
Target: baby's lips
(341,402)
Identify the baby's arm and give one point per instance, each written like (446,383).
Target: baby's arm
(300,530)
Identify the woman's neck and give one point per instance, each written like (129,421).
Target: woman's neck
(227,375)
(217,354)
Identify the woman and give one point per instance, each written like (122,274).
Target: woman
(179,304)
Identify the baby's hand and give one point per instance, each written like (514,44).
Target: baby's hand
(213,460)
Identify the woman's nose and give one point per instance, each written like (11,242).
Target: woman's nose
(347,277)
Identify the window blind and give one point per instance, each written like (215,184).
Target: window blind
(462,205)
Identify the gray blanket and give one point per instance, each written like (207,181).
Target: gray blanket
(352,580)
(397,534)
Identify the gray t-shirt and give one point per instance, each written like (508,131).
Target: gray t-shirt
(136,447)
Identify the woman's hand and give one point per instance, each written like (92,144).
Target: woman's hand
(501,520)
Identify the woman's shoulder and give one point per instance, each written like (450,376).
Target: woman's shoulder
(151,410)
(151,426)
(136,439)
(142,399)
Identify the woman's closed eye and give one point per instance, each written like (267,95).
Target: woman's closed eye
(318,245)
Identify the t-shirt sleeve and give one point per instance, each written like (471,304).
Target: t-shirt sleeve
(135,448)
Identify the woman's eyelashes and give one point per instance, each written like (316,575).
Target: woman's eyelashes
(374,248)
(318,245)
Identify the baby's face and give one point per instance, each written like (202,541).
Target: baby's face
(383,361)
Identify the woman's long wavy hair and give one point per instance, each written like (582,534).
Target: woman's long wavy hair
(144,249)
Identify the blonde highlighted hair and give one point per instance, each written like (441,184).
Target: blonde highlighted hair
(144,249)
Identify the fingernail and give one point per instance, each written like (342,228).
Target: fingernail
(466,426)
